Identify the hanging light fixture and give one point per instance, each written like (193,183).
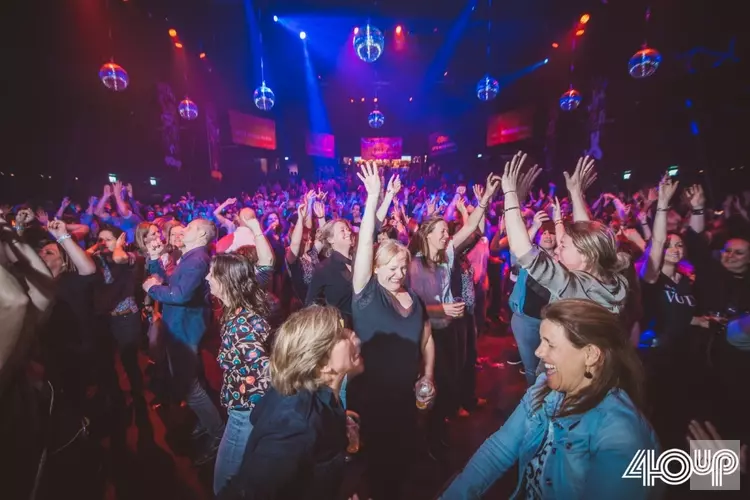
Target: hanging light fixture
(376,118)
(571,98)
(646,61)
(488,87)
(188,109)
(368,42)
(112,75)
(263,96)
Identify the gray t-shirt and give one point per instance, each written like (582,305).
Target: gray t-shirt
(433,284)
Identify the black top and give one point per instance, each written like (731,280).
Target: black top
(390,337)
(70,329)
(669,307)
(717,289)
(296,450)
(333,281)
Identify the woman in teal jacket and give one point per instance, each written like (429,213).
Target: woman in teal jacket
(577,429)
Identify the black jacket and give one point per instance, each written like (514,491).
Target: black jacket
(296,449)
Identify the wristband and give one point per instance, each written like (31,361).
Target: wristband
(662,209)
(507,192)
(511,208)
(698,211)
(64,237)
(559,221)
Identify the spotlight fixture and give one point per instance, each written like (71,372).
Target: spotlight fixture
(580,32)
(585,18)
(202,55)
(555,45)
(546,60)
(399,29)
(356,30)
(173,33)
(302,35)
(276,19)
(178,45)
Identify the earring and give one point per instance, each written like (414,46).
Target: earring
(588,374)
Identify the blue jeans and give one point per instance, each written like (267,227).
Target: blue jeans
(526,332)
(232,448)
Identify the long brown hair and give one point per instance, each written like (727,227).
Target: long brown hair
(423,247)
(325,232)
(587,323)
(236,275)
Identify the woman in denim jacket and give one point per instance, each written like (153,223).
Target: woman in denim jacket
(578,428)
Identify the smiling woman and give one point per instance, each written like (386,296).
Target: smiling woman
(577,429)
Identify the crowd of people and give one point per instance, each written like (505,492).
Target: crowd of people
(347,313)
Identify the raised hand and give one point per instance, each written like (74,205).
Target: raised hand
(556,210)
(667,188)
(540,218)
(490,187)
(117,189)
(24,216)
(301,212)
(121,241)
(478,191)
(65,203)
(583,176)
(696,196)
(512,172)
(57,229)
(461,190)
(107,191)
(42,217)
(370,177)
(319,209)
(229,201)
(394,185)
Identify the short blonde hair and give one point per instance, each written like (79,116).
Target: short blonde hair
(325,233)
(303,346)
(390,249)
(597,243)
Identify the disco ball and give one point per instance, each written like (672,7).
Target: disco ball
(264,97)
(369,43)
(644,63)
(188,109)
(376,119)
(570,100)
(487,88)
(114,76)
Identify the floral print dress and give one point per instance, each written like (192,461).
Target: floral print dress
(243,357)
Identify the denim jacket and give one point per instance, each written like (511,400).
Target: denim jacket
(590,452)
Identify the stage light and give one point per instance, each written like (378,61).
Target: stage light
(351,100)
(286,158)
(398,29)
(445,74)
(546,61)
(202,55)
(152,181)
(302,35)
(375,99)
(173,32)
(276,19)
(585,18)
(555,45)
(580,32)
(411,99)
(479,155)
(112,178)
(178,45)
(363,99)
(356,30)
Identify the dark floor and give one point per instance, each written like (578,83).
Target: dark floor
(155,463)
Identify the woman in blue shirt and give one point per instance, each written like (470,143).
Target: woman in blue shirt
(577,429)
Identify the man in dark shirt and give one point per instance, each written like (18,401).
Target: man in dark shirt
(186,315)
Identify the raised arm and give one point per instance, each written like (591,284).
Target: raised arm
(262,246)
(583,176)
(697,204)
(106,194)
(667,188)
(362,271)
(295,244)
(122,207)
(226,223)
(82,260)
(518,235)
(490,188)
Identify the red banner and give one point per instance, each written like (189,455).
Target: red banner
(441,144)
(510,127)
(320,145)
(382,148)
(252,131)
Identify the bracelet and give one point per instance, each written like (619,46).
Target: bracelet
(507,192)
(662,209)
(698,211)
(482,206)
(559,221)
(64,237)
(511,208)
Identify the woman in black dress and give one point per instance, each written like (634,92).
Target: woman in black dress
(397,347)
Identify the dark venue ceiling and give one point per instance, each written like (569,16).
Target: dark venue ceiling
(64,123)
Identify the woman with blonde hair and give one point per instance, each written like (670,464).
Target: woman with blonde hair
(397,349)
(243,355)
(586,263)
(577,429)
(297,447)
